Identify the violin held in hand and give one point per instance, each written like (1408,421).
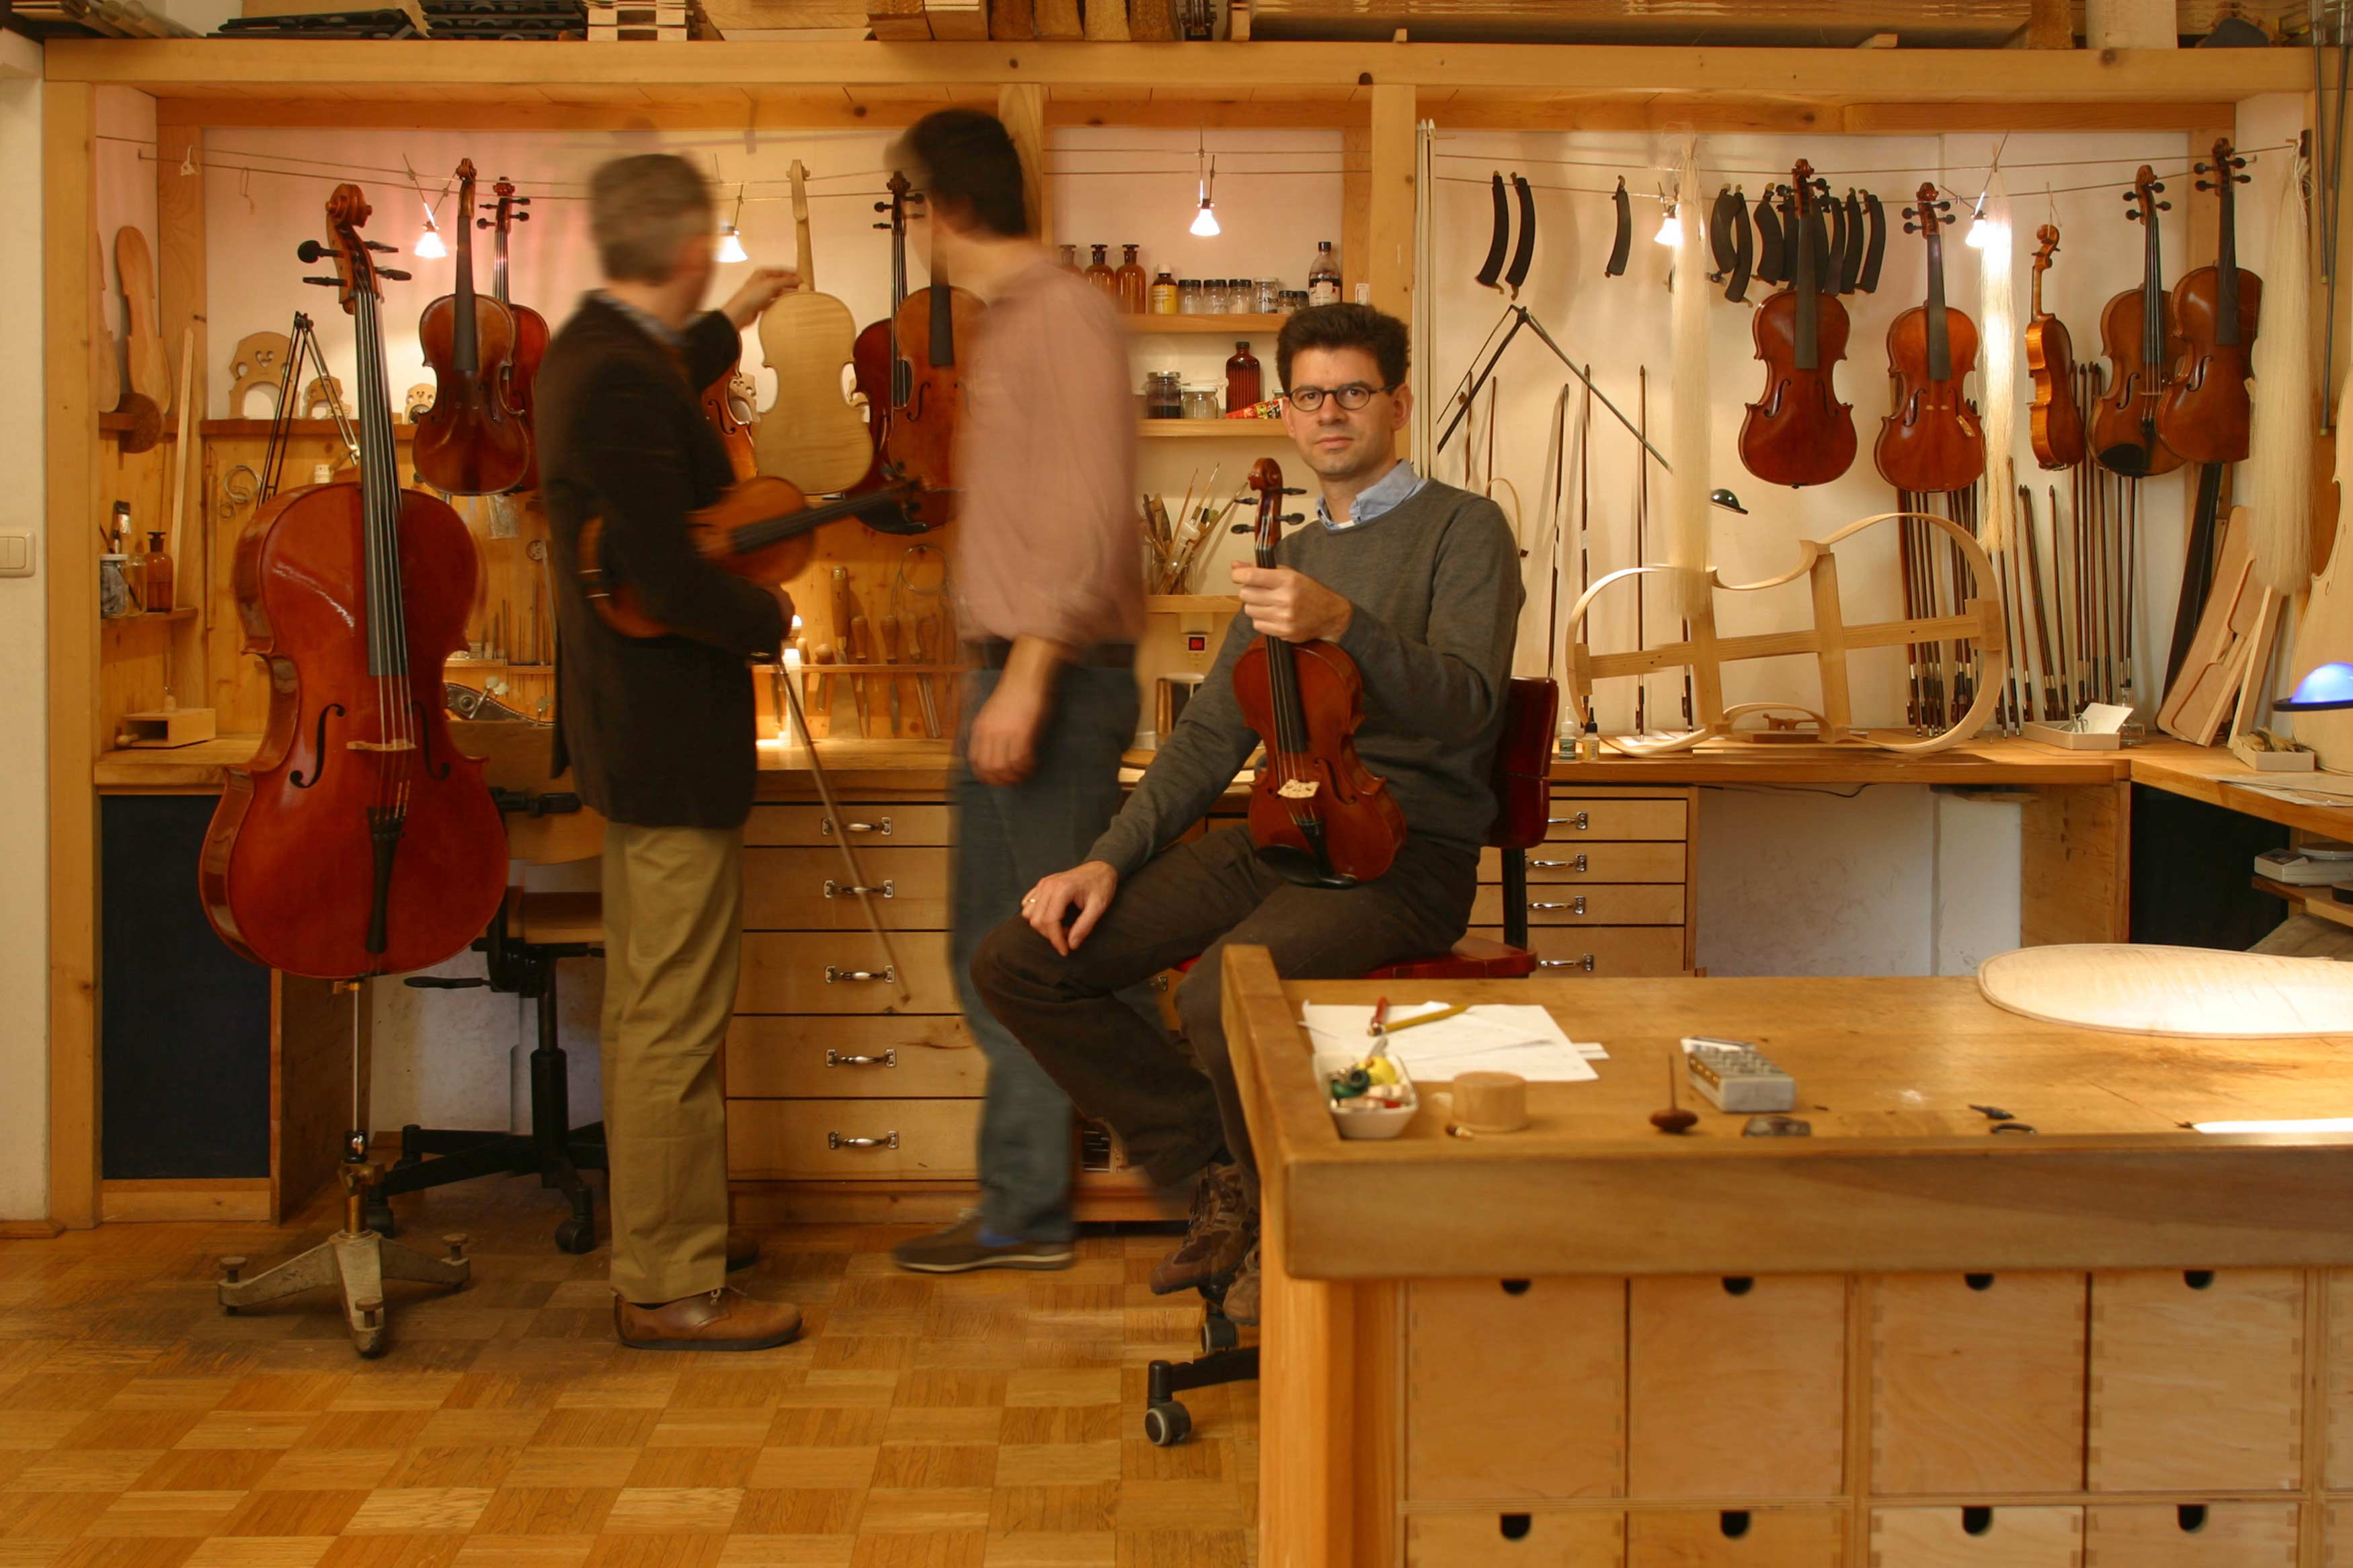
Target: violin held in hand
(2206,414)
(2057,418)
(1932,442)
(469,443)
(1798,432)
(1317,816)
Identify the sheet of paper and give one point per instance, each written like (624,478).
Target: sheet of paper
(1492,1038)
(2304,789)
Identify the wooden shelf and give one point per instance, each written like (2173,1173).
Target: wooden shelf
(1205,326)
(1211,429)
(1189,604)
(185,612)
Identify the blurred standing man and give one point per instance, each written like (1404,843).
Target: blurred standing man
(660,733)
(1050,587)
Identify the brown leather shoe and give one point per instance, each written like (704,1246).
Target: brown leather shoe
(743,1249)
(721,1319)
(1241,1297)
(1219,1231)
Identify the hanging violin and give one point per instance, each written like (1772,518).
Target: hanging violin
(530,327)
(469,442)
(1798,432)
(874,358)
(2136,333)
(1932,441)
(1318,816)
(2058,422)
(811,436)
(2206,412)
(934,325)
(359,841)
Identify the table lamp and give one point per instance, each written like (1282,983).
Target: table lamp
(2328,687)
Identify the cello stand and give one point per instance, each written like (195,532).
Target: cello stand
(355,1259)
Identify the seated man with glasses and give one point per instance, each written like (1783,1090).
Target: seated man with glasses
(1420,583)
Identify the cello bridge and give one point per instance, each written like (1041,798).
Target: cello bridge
(380,745)
(1297,789)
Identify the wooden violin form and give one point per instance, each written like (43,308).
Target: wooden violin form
(469,443)
(531,332)
(2057,421)
(2136,333)
(359,841)
(1798,432)
(812,437)
(1932,441)
(2206,413)
(763,529)
(1317,815)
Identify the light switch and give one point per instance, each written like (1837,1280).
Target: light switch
(16,552)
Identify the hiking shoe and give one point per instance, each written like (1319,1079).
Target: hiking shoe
(960,1247)
(1222,1227)
(1241,1303)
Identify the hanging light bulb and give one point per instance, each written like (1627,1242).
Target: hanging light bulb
(428,244)
(731,238)
(1670,232)
(1205,222)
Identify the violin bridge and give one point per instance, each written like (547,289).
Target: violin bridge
(381,746)
(1298,789)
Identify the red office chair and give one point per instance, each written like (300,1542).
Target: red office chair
(1523,786)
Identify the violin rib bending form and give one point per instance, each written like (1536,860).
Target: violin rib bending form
(1799,433)
(358,841)
(1932,441)
(1317,816)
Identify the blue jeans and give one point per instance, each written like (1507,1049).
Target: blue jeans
(1007,838)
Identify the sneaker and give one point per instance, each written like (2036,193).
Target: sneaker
(960,1247)
(1222,1227)
(1240,1302)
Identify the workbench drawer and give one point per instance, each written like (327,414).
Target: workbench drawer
(1543,1538)
(2341,1395)
(1976,1382)
(2191,1535)
(1516,1389)
(876,823)
(1615,952)
(771,1057)
(1576,820)
(809,1139)
(1977,1538)
(1619,904)
(2197,1380)
(786,971)
(1656,862)
(1736,1386)
(811,889)
(1736,1538)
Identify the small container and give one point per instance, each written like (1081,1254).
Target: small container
(1100,274)
(1189,297)
(1131,284)
(1202,401)
(1163,394)
(1242,378)
(1293,302)
(1164,294)
(1324,277)
(1386,1122)
(1070,260)
(1267,297)
(115,599)
(156,575)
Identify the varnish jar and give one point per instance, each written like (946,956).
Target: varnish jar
(1163,394)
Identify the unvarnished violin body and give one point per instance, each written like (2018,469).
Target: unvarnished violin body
(2056,418)
(1932,441)
(2207,413)
(1798,432)
(469,442)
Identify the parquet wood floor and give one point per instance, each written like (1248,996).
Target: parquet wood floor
(990,1420)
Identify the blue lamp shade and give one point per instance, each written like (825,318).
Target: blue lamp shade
(2328,687)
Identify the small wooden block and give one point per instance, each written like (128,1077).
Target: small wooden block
(165,728)
(1107,21)
(897,21)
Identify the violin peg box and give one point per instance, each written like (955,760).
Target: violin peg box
(1380,1111)
(166,728)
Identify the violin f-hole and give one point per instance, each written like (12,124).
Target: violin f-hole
(318,750)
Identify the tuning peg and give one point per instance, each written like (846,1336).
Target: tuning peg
(2130,194)
(481,223)
(2201,169)
(518,201)
(388,272)
(2155,185)
(1241,528)
(1292,519)
(2243,179)
(2165,206)
(1293,491)
(325,282)
(311,250)
(1911,229)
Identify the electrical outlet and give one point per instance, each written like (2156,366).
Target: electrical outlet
(15,551)
(1194,630)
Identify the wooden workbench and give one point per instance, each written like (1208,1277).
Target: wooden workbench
(1906,1341)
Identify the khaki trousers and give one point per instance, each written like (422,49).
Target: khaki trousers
(673,919)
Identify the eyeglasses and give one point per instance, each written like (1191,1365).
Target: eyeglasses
(1353,397)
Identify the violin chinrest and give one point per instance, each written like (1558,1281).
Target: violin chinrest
(1301,868)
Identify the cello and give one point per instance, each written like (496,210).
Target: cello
(469,443)
(1932,441)
(1317,815)
(2057,421)
(530,327)
(812,436)
(2136,333)
(920,442)
(2205,413)
(358,841)
(1798,432)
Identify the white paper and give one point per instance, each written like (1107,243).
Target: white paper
(1490,1037)
(2303,789)
(2102,718)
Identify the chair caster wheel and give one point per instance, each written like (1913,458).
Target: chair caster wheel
(1219,1332)
(1167,1423)
(379,1219)
(575,1234)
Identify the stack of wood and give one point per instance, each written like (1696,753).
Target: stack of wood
(644,21)
(506,18)
(1151,21)
(94,18)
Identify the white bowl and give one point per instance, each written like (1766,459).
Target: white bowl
(1383,1123)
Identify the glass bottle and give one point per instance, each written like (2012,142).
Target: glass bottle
(155,574)
(1130,280)
(1324,277)
(1099,273)
(1071,258)
(1267,297)
(1189,297)
(1164,294)
(1242,380)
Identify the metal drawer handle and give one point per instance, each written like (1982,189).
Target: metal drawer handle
(889,1058)
(1581,822)
(1576,865)
(882,828)
(836,1141)
(886,974)
(834,890)
(1585,963)
(1575,906)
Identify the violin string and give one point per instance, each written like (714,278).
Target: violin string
(1663,170)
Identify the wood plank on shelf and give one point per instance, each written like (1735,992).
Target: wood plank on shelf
(1211,430)
(1213,325)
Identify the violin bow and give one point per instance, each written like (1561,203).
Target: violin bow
(897,971)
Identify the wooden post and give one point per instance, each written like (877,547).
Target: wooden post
(1022,107)
(181,284)
(69,175)
(1389,223)
(1356,207)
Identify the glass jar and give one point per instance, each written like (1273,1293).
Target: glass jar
(1202,401)
(1266,299)
(1164,294)
(1189,297)
(1294,300)
(1163,394)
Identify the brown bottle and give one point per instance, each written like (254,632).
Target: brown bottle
(1243,384)
(1070,259)
(156,575)
(1132,285)
(1100,274)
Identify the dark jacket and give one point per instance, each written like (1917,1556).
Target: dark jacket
(658,730)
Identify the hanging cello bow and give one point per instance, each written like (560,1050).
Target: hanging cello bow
(359,841)
(530,327)
(469,442)
(1798,432)
(1932,441)
(2057,418)
(2205,415)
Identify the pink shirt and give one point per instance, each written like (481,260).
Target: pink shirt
(1048,540)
